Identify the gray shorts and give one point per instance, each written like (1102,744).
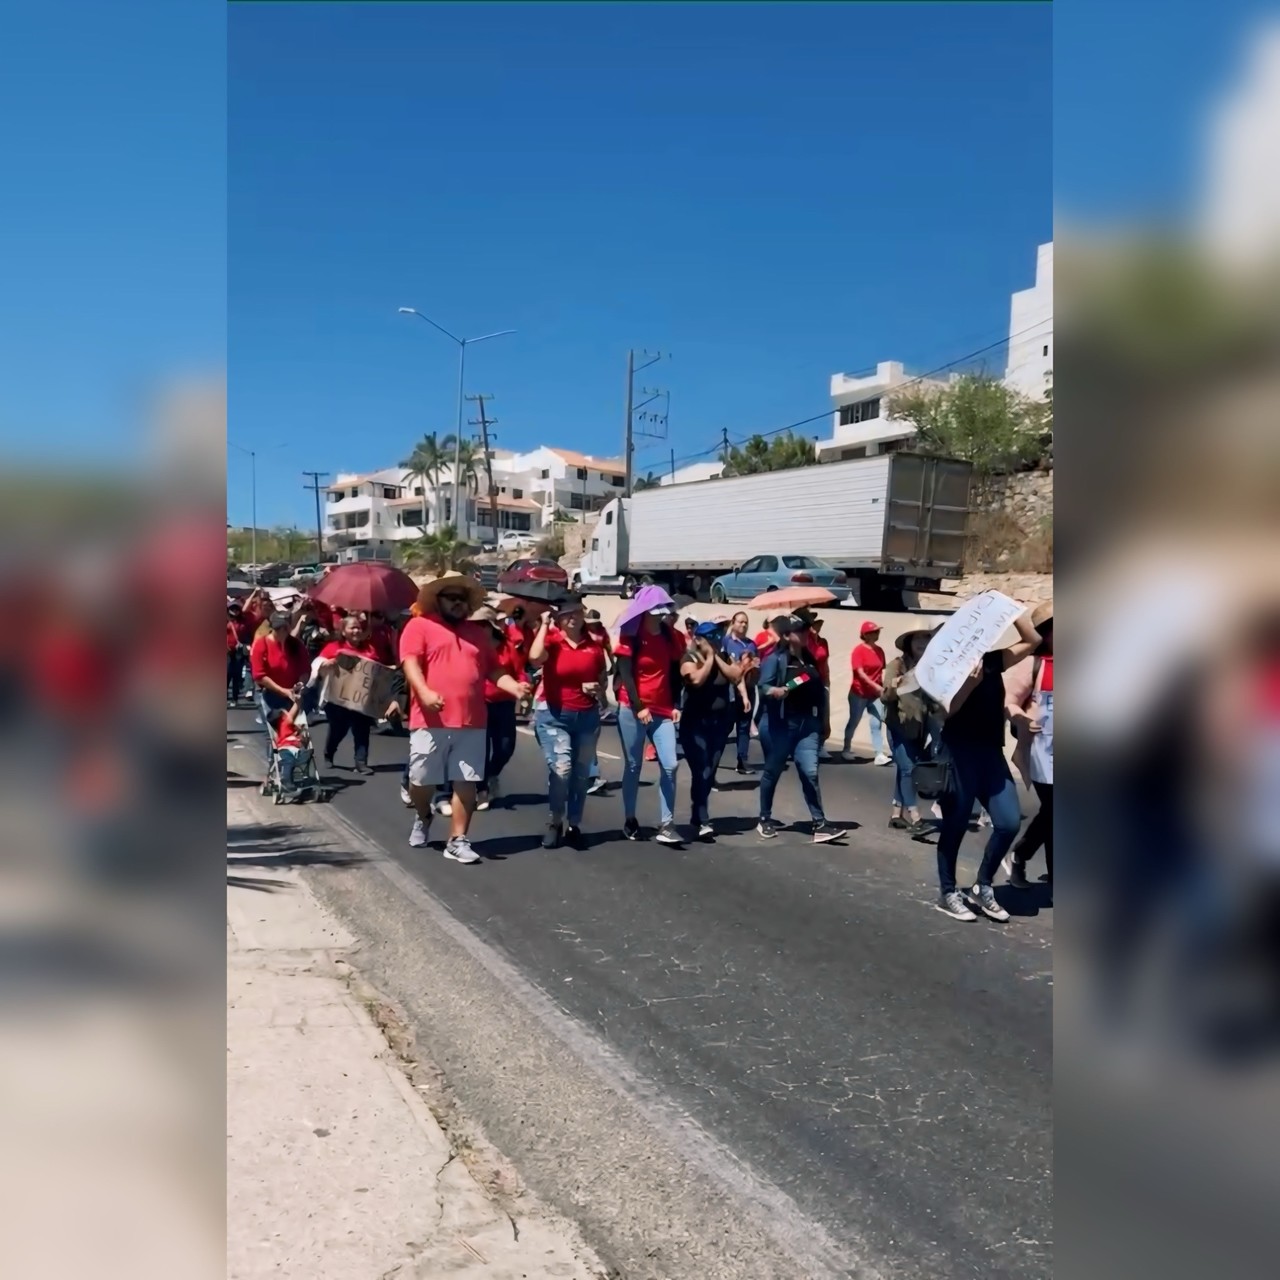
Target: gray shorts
(446,755)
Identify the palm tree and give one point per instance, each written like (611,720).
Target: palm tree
(650,481)
(425,464)
(439,552)
(471,464)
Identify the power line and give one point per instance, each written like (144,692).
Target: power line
(724,442)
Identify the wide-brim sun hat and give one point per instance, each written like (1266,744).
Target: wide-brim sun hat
(475,592)
(905,638)
(1041,614)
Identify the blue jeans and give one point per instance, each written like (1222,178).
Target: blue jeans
(907,753)
(797,739)
(742,717)
(857,705)
(662,733)
(568,741)
(980,775)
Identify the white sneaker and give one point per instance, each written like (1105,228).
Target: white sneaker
(597,786)
(882,759)
(983,897)
(482,801)
(459,849)
(405,798)
(442,807)
(418,836)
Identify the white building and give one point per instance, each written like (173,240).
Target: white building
(1240,213)
(1030,360)
(377,509)
(558,480)
(861,424)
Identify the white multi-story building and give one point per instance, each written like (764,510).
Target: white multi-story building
(1029,367)
(861,423)
(558,480)
(377,509)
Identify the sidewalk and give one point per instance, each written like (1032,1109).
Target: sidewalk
(336,1169)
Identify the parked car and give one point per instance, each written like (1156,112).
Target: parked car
(512,541)
(305,575)
(522,572)
(773,573)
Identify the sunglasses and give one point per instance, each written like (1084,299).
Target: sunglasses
(452,597)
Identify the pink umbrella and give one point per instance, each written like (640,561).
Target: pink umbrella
(791,598)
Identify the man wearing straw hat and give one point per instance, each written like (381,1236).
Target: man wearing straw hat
(446,660)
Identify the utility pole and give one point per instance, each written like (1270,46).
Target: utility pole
(724,445)
(633,408)
(484,423)
(673,466)
(314,486)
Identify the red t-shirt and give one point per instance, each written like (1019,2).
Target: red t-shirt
(821,651)
(455,662)
(287,734)
(765,641)
(652,657)
(286,664)
(367,650)
(1046,673)
(870,657)
(508,660)
(518,642)
(566,669)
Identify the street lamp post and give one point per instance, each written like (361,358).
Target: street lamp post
(253,498)
(463,344)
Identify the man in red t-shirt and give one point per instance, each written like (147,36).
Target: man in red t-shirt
(865,689)
(446,660)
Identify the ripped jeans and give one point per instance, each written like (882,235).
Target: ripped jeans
(568,740)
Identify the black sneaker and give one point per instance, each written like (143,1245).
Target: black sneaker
(825,833)
(551,836)
(705,831)
(742,769)
(1018,875)
(631,829)
(767,829)
(573,838)
(667,834)
(899,824)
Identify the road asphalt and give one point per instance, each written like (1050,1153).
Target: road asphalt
(868,1079)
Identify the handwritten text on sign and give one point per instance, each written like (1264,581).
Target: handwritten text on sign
(360,685)
(975,628)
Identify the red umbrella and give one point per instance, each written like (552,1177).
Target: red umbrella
(791,598)
(366,588)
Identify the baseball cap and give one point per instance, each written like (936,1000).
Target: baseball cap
(279,620)
(868,627)
(708,628)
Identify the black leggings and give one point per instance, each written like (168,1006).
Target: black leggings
(1039,830)
(342,720)
(235,675)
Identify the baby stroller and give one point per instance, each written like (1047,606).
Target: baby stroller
(292,774)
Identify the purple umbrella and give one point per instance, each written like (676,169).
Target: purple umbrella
(645,601)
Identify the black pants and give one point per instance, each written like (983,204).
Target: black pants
(235,675)
(500,738)
(703,739)
(342,721)
(1039,830)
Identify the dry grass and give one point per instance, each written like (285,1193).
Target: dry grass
(999,544)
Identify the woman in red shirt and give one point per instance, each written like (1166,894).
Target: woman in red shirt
(573,666)
(279,662)
(648,655)
(500,728)
(866,688)
(356,642)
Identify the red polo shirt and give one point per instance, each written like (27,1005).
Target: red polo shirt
(566,669)
(455,663)
(652,657)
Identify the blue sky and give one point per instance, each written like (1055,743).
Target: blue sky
(770,193)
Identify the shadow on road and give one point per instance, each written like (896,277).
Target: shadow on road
(278,844)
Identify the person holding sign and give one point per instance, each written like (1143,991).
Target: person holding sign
(357,642)
(794,724)
(973,737)
(446,659)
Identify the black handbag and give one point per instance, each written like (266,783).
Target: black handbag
(932,779)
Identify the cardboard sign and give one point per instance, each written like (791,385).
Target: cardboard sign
(360,684)
(975,628)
